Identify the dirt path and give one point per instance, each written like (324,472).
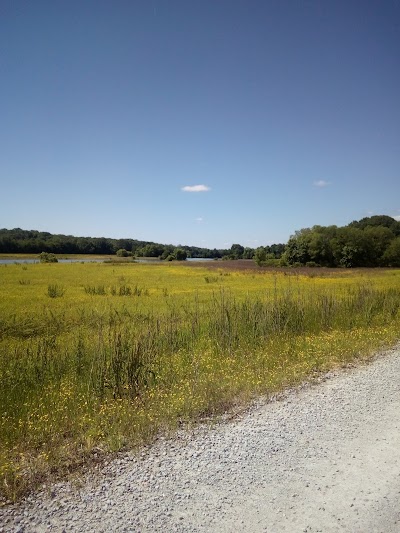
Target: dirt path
(325,458)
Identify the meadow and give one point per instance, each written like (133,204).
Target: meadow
(96,357)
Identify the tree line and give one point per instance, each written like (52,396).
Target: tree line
(370,242)
(31,241)
(21,241)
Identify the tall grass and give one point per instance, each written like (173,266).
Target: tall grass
(105,373)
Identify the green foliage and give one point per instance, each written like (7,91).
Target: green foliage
(123,253)
(367,243)
(248,253)
(380,221)
(20,241)
(179,254)
(211,279)
(297,248)
(270,256)
(260,256)
(168,253)
(17,241)
(391,257)
(98,290)
(46,257)
(55,291)
(236,251)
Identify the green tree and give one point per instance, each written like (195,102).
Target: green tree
(248,253)
(168,252)
(377,220)
(297,249)
(379,238)
(236,251)
(152,250)
(179,254)
(260,256)
(320,245)
(352,248)
(391,257)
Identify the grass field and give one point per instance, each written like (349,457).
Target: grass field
(98,357)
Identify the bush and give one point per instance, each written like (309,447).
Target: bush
(123,253)
(46,257)
(260,256)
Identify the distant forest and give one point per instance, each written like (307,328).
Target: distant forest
(34,242)
(370,242)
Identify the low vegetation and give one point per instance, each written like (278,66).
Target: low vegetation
(46,257)
(96,358)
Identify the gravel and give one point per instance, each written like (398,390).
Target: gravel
(320,458)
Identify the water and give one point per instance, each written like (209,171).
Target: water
(86,260)
(33,261)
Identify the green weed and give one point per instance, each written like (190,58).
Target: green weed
(55,291)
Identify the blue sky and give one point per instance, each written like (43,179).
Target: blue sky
(280,114)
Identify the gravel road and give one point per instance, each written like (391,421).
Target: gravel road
(323,458)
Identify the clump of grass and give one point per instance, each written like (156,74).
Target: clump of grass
(211,279)
(122,290)
(95,290)
(55,291)
(139,291)
(125,290)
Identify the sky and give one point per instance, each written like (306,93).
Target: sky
(202,123)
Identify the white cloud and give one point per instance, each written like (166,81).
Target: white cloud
(196,188)
(199,219)
(321,183)
(397,217)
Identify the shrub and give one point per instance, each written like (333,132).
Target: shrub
(46,257)
(123,253)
